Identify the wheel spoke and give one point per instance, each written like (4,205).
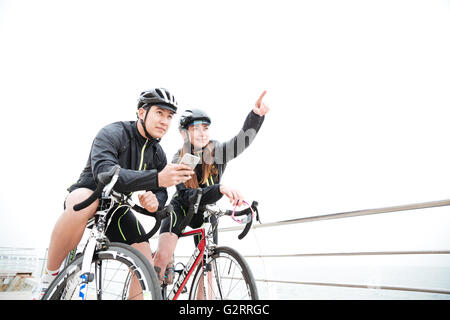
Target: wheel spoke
(232,277)
(112,269)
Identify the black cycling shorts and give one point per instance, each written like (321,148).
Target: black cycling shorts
(123,226)
(174,223)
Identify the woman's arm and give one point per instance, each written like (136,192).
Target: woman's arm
(210,194)
(226,151)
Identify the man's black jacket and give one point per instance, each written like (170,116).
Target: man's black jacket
(140,160)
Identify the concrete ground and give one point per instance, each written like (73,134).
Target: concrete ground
(16,295)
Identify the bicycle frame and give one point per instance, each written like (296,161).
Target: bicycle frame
(192,263)
(205,243)
(94,242)
(97,238)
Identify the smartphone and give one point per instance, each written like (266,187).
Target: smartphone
(190,160)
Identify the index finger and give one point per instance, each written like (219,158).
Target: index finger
(258,102)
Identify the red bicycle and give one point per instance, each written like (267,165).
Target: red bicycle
(220,272)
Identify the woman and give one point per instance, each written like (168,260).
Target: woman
(194,127)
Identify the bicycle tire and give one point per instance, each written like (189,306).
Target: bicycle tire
(234,257)
(133,261)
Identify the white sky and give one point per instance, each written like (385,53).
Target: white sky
(359,96)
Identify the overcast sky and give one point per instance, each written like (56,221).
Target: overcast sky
(359,96)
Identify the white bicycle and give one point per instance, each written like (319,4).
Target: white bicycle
(105,270)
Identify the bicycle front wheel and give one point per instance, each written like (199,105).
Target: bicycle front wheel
(119,272)
(228,277)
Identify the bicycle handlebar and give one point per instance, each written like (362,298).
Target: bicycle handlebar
(104,179)
(248,212)
(158,215)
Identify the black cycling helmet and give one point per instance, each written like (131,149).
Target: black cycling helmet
(192,116)
(158,96)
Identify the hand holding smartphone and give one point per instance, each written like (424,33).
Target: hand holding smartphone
(190,160)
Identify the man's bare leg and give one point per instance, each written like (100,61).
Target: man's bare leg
(135,292)
(69,228)
(66,235)
(166,247)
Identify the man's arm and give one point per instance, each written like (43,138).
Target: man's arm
(160,192)
(105,155)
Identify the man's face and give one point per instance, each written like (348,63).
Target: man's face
(158,121)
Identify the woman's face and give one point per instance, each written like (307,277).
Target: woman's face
(199,135)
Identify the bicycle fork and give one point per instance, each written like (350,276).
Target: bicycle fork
(85,275)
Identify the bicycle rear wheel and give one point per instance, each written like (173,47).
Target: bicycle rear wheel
(112,269)
(230,278)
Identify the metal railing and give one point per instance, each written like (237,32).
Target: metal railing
(350,214)
(14,260)
(341,215)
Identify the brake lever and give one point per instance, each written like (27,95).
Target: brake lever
(247,227)
(255,208)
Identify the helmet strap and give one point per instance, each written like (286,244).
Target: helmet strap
(149,137)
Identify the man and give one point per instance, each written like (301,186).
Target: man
(134,145)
